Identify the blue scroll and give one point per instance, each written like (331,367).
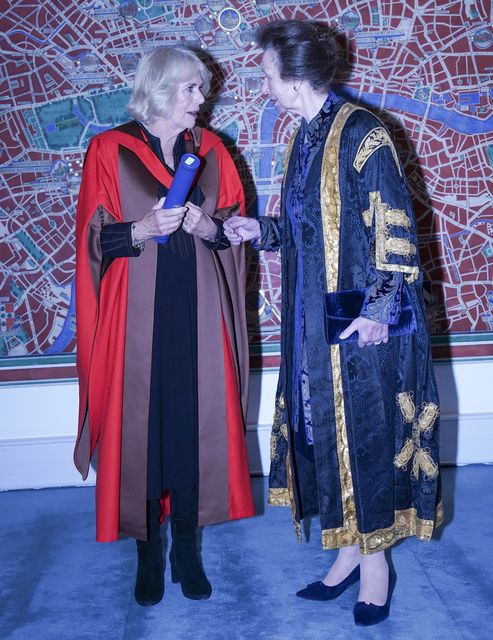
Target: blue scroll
(180,187)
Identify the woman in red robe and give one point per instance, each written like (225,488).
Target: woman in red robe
(162,350)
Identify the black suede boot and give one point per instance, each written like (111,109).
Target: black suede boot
(149,585)
(186,564)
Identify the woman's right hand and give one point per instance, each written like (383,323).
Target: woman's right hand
(158,222)
(240,229)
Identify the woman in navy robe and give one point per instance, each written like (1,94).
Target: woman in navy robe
(355,434)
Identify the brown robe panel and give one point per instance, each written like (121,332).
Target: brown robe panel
(82,453)
(138,190)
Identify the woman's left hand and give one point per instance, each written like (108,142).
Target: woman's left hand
(198,223)
(369,332)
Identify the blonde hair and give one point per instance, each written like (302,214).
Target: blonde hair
(157,77)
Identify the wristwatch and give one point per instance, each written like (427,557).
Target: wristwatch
(136,244)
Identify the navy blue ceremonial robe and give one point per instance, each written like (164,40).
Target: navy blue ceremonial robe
(369,466)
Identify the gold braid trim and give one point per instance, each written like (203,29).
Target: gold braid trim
(411,274)
(406,453)
(406,523)
(427,417)
(406,405)
(374,140)
(393,217)
(400,246)
(279,497)
(423,460)
(384,242)
(331,211)
(397,218)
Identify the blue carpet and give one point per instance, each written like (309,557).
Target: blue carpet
(57,583)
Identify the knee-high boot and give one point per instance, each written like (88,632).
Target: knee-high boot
(149,584)
(186,564)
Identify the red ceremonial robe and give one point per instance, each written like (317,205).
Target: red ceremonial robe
(114,336)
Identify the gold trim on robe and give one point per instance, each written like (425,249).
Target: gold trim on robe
(406,524)
(374,140)
(279,497)
(330,201)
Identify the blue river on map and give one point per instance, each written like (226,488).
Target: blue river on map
(67,332)
(460,122)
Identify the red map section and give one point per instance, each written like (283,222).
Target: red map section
(65,68)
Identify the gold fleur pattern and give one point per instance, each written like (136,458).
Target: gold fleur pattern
(331,213)
(374,140)
(412,449)
(386,217)
(406,523)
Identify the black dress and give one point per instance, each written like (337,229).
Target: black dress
(172,457)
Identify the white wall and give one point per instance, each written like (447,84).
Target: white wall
(38,424)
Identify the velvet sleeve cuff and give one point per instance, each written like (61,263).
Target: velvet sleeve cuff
(383,298)
(116,241)
(220,241)
(270,235)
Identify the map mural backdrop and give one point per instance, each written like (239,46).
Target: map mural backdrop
(65,71)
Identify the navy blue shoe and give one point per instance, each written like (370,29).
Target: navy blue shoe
(319,591)
(366,615)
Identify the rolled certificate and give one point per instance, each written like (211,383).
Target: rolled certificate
(182,181)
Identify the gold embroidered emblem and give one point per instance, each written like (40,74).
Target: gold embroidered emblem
(385,244)
(412,449)
(374,140)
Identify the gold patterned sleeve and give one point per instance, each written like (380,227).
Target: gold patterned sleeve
(386,208)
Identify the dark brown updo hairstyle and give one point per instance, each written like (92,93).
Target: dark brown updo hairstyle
(305,51)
